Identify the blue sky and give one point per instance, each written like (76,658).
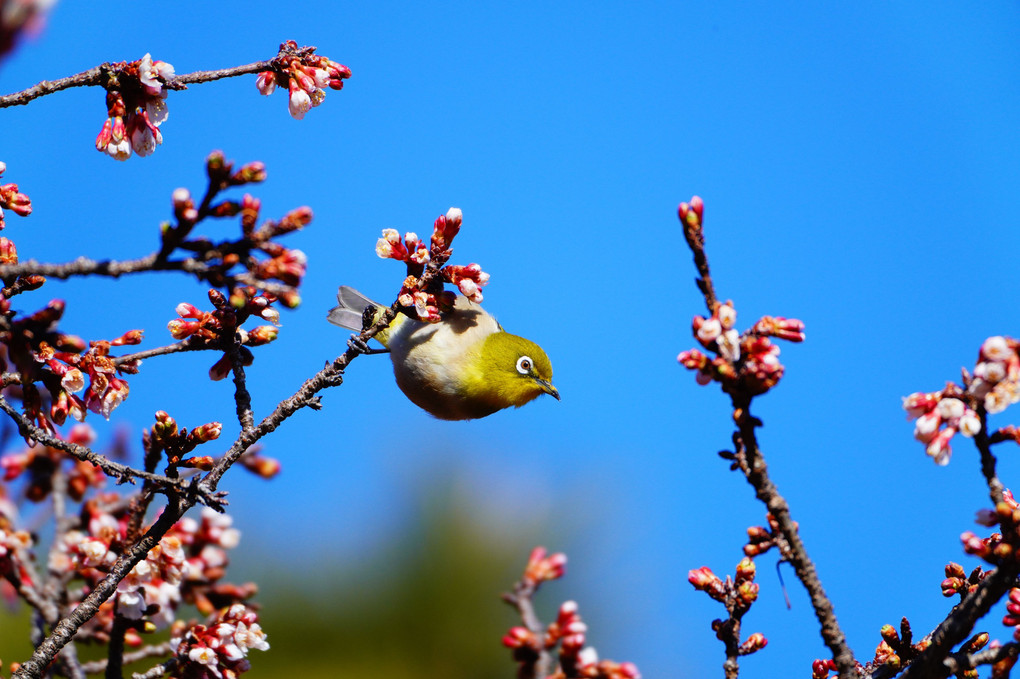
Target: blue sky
(858,162)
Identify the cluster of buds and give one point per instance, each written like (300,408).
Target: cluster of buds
(958,583)
(940,415)
(996,379)
(740,589)
(820,668)
(218,327)
(12,199)
(575,658)
(39,352)
(761,539)
(994,385)
(136,107)
(279,263)
(166,439)
(105,392)
(568,631)
(897,647)
(429,304)
(737,594)
(748,361)
(305,75)
(38,463)
(998,546)
(543,567)
(219,649)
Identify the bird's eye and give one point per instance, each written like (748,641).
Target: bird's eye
(524,365)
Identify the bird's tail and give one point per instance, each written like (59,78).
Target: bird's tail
(351,309)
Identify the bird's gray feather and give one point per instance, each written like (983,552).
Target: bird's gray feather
(351,308)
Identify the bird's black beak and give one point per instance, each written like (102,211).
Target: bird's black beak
(548,388)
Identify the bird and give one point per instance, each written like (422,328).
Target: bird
(464,367)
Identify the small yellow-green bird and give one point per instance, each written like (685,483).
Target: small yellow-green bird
(464,367)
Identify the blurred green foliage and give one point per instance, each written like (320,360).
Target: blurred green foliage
(428,606)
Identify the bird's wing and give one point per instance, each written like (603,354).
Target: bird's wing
(351,308)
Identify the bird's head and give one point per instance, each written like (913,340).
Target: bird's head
(510,371)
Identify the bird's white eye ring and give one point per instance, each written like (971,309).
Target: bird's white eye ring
(524,365)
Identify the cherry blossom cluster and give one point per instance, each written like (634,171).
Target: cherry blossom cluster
(737,594)
(429,305)
(748,361)
(136,107)
(185,567)
(218,649)
(105,391)
(218,327)
(305,75)
(994,385)
(12,199)
(568,631)
(38,352)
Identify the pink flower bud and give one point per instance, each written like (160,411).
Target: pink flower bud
(266,82)
(299,102)
(180,329)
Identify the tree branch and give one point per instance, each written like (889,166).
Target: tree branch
(752,463)
(121,472)
(99,75)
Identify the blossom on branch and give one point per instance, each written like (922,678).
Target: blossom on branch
(429,305)
(136,106)
(12,199)
(994,385)
(305,75)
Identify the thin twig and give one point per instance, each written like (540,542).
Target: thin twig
(83,266)
(188,344)
(97,77)
(154,651)
(115,647)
